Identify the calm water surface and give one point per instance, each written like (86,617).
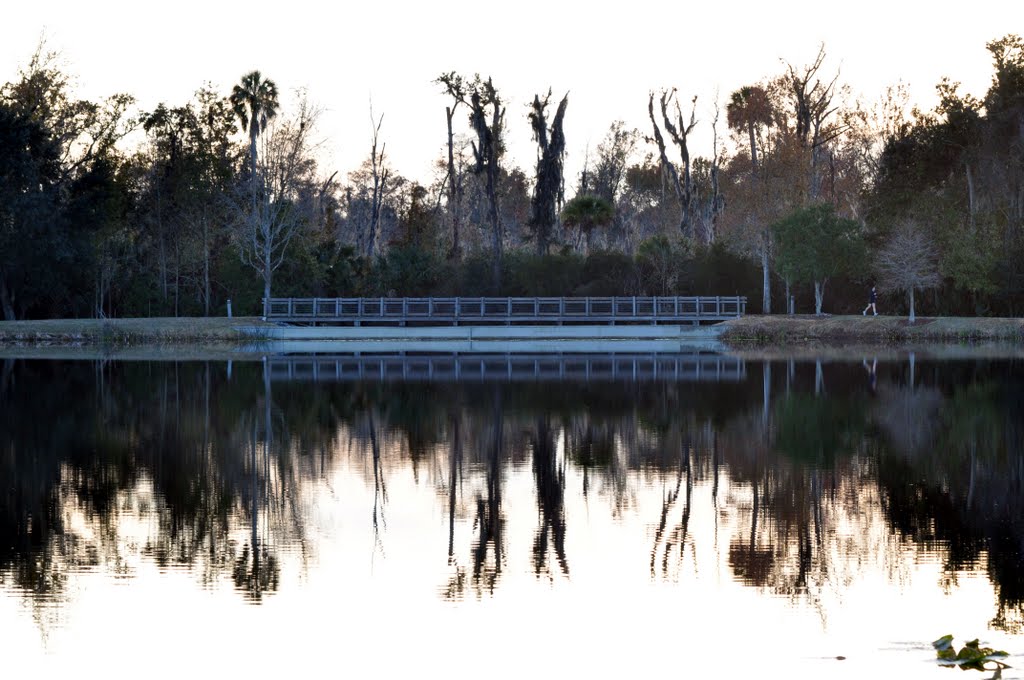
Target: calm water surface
(689,516)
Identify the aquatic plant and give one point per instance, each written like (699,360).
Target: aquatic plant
(970,656)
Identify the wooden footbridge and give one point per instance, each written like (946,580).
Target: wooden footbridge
(504,310)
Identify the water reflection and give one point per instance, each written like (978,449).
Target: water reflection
(792,479)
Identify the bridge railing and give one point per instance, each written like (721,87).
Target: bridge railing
(457,310)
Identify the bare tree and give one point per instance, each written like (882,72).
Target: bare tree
(289,194)
(487,118)
(548,190)
(613,155)
(812,102)
(908,262)
(713,202)
(455,87)
(678,131)
(379,176)
(485,103)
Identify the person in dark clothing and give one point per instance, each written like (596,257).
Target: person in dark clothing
(871,304)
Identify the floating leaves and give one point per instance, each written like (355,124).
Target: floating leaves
(970,656)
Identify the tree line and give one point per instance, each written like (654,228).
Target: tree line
(807,197)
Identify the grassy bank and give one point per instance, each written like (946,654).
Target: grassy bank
(801,329)
(218,331)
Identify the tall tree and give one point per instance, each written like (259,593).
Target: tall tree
(548,189)
(587,212)
(613,155)
(254,101)
(32,237)
(707,187)
(682,179)
(812,97)
(487,116)
(908,262)
(456,87)
(815,245)
(749,109)
(291,197)
(51,143)
(379,175)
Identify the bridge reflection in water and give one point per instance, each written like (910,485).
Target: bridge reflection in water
(695,367)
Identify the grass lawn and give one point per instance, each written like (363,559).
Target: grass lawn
(128,331)
(801,328)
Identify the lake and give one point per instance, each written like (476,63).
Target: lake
(510,516)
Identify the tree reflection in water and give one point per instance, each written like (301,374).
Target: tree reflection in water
(549,473)
(808,471)
(161,445)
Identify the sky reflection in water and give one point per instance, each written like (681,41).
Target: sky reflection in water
(768,518)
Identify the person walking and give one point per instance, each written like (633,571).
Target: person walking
(871,304)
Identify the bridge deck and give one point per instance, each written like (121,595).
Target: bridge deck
(505,310)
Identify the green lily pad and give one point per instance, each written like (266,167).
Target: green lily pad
(972,656)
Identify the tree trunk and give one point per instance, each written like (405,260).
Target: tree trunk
(267,273)
(161,250)
(6,303)
(453,198)
(492,197)
(819,294)
(177,275)
(253,132)
(911,294)
(766,292)
(380,179)
(497,242)
(970,192)
(206,264)
(753,148)
(548,186)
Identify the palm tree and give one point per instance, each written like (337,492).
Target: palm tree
(749,107)
(254,101)
(587,211)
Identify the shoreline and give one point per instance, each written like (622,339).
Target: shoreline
(839,331)
(750,332)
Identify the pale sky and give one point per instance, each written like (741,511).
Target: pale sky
(607,55)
